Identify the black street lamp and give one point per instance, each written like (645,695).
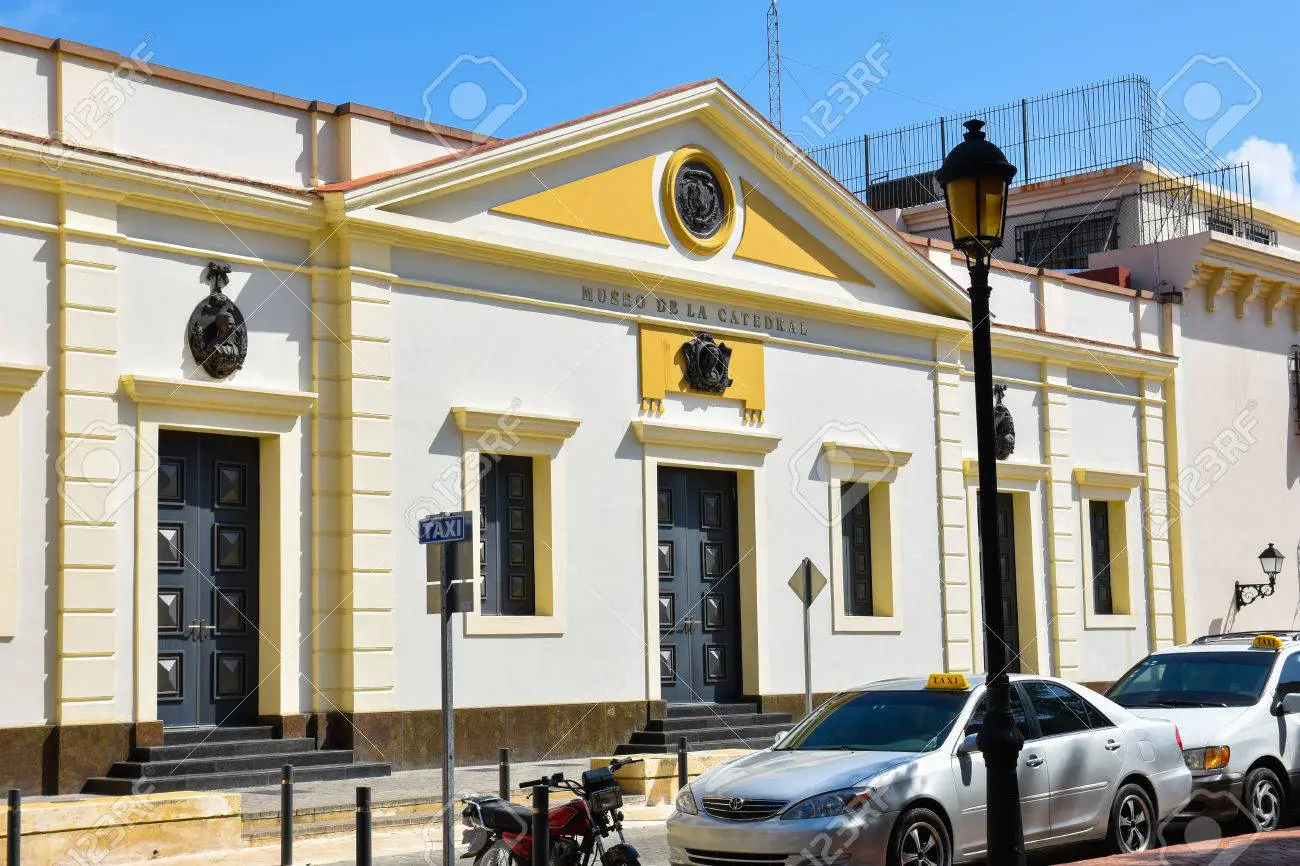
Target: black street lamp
(1271,561)
(975,176)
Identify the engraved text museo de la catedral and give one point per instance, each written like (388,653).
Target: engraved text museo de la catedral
(693,311)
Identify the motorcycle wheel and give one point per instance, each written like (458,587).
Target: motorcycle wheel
(497,854)
(620,856)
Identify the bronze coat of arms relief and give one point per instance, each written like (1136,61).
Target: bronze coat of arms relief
(1004,427)
(216,334)
(698,201)
(708,364)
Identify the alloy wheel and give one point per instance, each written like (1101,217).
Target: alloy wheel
(922,846)
(1265,805)
(1134,824)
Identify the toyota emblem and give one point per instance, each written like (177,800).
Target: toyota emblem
(737,803)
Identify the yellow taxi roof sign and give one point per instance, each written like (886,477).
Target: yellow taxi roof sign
(1267,641)
(948,682)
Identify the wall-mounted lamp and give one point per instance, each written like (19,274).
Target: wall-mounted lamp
(1271,561)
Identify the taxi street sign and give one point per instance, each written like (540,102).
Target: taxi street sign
(444,528)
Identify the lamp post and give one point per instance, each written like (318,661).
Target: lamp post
(1271,561)
(975,176)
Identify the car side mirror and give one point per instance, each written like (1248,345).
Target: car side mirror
(968,745)
(781,735)
(1291,703)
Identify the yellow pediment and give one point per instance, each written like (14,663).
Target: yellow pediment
(618,202)
(773,237)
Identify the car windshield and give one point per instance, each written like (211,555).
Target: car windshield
(879,721)
(1195,679)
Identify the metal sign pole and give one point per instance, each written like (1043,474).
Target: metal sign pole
(448,705)
(807,636)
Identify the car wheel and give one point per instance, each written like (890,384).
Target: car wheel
(920,838)
(1264,800)
(1132,821)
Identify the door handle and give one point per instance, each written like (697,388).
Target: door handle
(1033,761)
(1112,745)
(688,624)
(197,628)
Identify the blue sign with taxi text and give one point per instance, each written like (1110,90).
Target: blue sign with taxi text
(442,528)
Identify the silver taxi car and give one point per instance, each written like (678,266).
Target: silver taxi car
(891,774)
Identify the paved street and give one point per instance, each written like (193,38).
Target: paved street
(418,846)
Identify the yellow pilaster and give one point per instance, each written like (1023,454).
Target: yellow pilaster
(96,473)
(367,514)
(954,570)
(1062,543)
(327,509)
(1157,515)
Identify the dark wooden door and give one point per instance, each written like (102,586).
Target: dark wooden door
(699,586)
(207,578)
(1009,633)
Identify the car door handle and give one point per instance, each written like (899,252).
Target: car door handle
(1113,745)
(1033,761)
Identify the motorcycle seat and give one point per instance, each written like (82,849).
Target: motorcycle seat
(506,817)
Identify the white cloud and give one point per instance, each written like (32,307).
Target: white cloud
(1272,172)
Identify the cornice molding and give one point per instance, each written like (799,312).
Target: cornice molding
(708,439)
(1106,478)
(864,456)
(19,378)
(1009,471)
(509,422)
(214,395)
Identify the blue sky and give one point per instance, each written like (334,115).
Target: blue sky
(559,60)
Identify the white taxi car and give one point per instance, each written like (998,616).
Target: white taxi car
(1236,701)
(891,773)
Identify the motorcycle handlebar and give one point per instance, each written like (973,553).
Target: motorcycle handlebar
(548,781)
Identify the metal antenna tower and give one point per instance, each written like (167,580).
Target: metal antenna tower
(773,67)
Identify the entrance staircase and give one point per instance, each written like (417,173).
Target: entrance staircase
(218,759)
(708,726)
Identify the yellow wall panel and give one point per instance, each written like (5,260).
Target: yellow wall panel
(617,202)
(663,367)
(772,237)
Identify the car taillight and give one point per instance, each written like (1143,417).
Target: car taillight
(1179,738)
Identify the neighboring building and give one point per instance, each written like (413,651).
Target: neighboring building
(1115,188)
(201,531)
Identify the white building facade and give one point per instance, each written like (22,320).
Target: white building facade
(252,339)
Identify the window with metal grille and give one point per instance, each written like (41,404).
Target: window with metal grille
(1102,584)
(1064,243)
(855,523)
(506,551)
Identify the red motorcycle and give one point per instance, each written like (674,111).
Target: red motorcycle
(499,833)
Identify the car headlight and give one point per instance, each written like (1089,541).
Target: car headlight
(686,801)
(828,805)
(1209,758)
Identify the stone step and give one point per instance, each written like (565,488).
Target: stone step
(714,733)
(696,745)
(227,765)
(233,748)
(228,781)
(209,734)
(686,724)
(682,711)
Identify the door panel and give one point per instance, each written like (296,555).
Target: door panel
(1086,754)
(699,591)
(971,777)
(1010,632)
(207,578)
